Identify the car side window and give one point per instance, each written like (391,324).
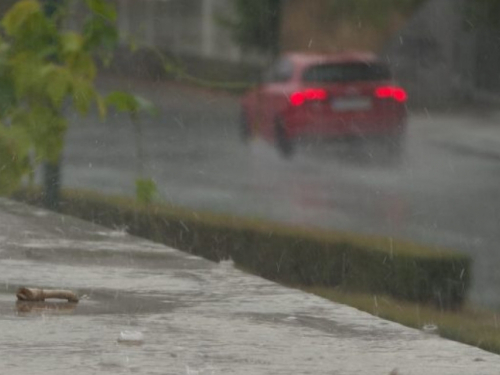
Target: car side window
(280,71)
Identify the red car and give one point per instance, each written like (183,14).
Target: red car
(326,96)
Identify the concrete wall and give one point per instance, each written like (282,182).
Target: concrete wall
(442,62)
(425,53)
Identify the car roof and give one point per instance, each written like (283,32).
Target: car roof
(306,59)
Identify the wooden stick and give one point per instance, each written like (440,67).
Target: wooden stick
(37,295)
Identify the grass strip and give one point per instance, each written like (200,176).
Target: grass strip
(471,325)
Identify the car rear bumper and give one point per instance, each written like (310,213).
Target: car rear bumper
(356,125)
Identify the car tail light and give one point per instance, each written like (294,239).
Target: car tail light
(300,97)
(388,92)
(297,98)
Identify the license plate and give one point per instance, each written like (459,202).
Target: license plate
(352,104)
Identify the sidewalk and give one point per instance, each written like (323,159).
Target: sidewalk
(195,317)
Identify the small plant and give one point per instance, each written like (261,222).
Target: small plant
(145,190)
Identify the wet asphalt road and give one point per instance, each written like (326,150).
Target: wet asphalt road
(149,309)
(445,192)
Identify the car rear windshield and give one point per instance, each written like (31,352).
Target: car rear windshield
(347,72)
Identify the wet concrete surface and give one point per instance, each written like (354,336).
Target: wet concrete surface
(443,193)
(192,316)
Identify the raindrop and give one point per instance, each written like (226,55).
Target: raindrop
(430,328)
(131,337)
(226,264)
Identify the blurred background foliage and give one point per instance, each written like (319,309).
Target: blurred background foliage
(257,24)
(45,71)
(373,13)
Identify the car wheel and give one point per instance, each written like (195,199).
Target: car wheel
(245,130)
(283,142)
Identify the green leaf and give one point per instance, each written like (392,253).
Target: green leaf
(58,84)
(99,30)
(19,15)
(30,29)
(102,8)
(18,136)
(14,158)
(7,93)
(27,70)
(71,42)
(124,102)
(82,64)
(99,33)
(45,128)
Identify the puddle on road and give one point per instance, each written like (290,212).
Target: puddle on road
(327,327)
(93,303)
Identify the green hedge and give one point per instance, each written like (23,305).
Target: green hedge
(291,255)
